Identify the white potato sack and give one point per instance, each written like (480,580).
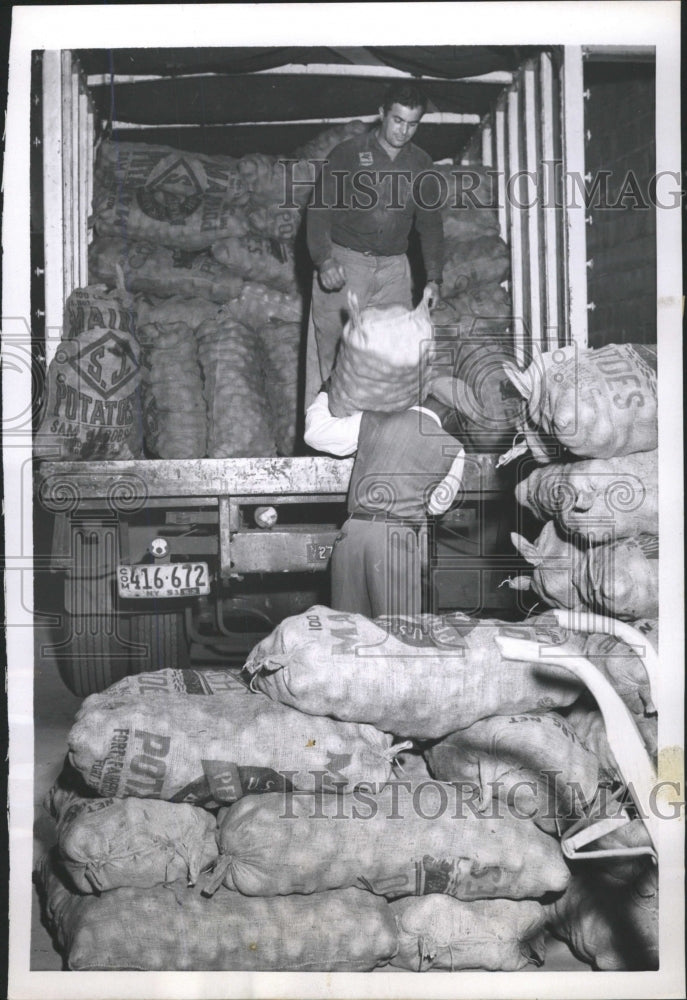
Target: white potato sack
(419,678)
(109,843)
(173,928)
(379,365)
(213,748)
(425,841)
(596,403)
(439,932)
(595,496)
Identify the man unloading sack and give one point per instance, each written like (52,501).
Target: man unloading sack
(408,467)
(371,195)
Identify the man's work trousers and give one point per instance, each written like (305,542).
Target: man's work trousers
(377,281)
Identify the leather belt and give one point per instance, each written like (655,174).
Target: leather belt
(363,515)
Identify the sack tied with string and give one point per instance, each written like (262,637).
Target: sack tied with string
(592,496)
(440,932)
(163,271)
(174,928)
(278,845)
(420,678)
(109,843)
(536,763)
(208,747)
(595,403)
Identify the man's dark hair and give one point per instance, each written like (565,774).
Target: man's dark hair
(406,94)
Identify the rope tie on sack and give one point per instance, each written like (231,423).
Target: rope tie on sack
(217,876)
(392,752)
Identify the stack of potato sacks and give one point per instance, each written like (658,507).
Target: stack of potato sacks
(592,425)
(206,238)
(473,320)
(364,793)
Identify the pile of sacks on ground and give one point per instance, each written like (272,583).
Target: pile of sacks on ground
(592,427)
(363,793)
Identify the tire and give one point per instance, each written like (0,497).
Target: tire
(163,638)
(93,651)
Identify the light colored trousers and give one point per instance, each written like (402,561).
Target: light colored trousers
(377,281)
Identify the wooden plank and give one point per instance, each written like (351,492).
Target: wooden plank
(515,227)
(572,110)
(53,248)
(531,209)
(553,321)
(235,477)
(67,188)
(500,162)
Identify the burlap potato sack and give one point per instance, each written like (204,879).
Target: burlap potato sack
(439,932)
(212,749)
(109,843)
(481,261)
(157,270)
(326,662)
(280,346)
(174,928)
(274,845)
(257,258)
(259,303)
(596,403)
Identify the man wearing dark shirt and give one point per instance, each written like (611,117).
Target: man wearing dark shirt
(372,193)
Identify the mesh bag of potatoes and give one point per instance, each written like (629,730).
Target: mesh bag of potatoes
(420,678)
(167,196)
(173,928)
(440,932)
(468,203)
(481,261)
(163,271)
(380,362)
(280,345)
(618,578)
(213,746)
(485,308)
(276,844)
(266,260)
(175,309)
(109,843)
(175,415)
(257,303)
(237,408)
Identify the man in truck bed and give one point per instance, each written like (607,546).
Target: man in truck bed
(358,233)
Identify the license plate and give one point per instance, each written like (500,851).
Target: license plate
(163,580)
(317,552)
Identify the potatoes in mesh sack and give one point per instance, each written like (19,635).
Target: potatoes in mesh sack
(234,386)
(618,578)
(254,257)
(439,932)
(596,403)
(482,261)
(175,413)
(610,929)
(213,747)
(175,309)
(108,843)
(147,267)
(484,308)
(469,207)
(274,221)
(280,345)
(91,407)
(174,928)
(167,196)
(559,773)
(591,497)
(419,678)
(321,145)
(379,365)
(258,303)
(277,845)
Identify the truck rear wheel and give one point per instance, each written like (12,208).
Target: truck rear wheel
(162,641)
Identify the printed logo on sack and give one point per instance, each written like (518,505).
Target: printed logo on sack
(173,194)
(106,365)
